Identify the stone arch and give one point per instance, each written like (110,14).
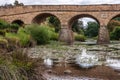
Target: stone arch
(76,17)
(115,16)
(19,22)
(42,17)
(111,21)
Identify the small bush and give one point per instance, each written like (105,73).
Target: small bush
(14,26)
(54,36)
(21,38)
(79,37)
(40,33)
(8,27)
(11,35)
(3,24)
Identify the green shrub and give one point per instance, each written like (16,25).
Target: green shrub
(14,26)
(54,36)
(21,38)
(3,24)
(40,33)
(79,37)
(11,35)
(115,35)
(8,27)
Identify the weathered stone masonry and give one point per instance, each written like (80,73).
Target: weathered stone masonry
(67,14)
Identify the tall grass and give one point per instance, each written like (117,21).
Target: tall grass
(17,66)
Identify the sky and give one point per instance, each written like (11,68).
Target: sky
(60,2)
(85,20)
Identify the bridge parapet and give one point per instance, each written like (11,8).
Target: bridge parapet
(61,8)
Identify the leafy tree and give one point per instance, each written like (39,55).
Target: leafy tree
(55,22)
(78,27)
(16,3)
(92,29)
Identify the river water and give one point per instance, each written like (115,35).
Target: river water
(64,65)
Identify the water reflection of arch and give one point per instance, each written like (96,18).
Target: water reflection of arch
(42,17)
(76,17)
(19,22)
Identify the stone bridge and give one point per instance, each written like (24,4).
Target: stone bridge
(66,14)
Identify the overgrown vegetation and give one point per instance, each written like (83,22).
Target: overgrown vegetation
(78,27)
(114,28)
(6,27)
(54,22)
(79,37)
(92,29)
(115,34)
(42,33)
(17,66)
(21,36)
(113,24)
(13,36)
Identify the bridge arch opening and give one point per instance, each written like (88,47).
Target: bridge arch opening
(114,28)
(49,19)
(75,18)
(19,22)
(84,25)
